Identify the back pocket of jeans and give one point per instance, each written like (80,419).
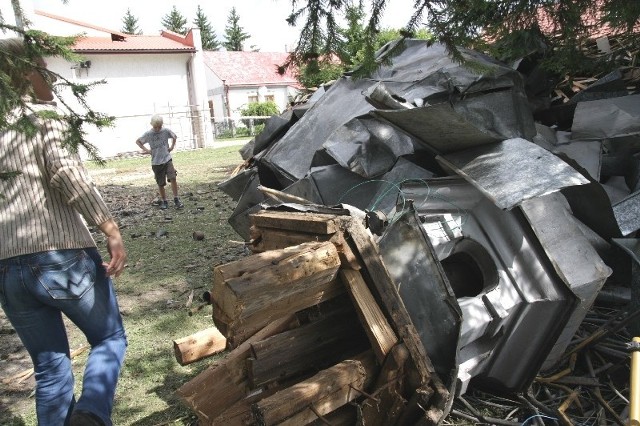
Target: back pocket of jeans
(70,278)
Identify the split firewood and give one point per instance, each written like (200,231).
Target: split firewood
(313,223)
(313,346)
(225,382)
(325,392)
(199,345)
(294,282)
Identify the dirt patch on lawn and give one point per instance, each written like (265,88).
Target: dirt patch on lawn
(169,265)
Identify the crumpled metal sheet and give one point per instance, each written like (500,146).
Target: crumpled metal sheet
(439,127)
(423,287)
(421,71)
(367,146)
(512,171)
(586,153)
(576,262)
(608,118)
(332,185)
(274,128)
(627,213)
(291,156)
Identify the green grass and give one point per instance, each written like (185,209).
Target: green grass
(162,273)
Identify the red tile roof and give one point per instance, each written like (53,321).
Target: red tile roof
(131,44)
(115,41)
(250,68)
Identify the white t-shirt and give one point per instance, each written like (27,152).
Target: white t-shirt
(158,144)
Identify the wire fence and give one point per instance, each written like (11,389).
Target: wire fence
(234,127)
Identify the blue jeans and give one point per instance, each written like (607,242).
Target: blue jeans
(35,290)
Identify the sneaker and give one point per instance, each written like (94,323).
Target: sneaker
(164,205)
(85,418)
(178,203)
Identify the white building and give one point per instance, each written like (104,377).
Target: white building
(235,79)
(144,75)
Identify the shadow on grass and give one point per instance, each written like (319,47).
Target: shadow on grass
(11,420)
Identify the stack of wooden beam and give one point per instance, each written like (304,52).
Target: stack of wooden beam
(315,333)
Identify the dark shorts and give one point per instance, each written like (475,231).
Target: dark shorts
(164,172)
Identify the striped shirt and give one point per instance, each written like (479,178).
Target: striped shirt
(43,207)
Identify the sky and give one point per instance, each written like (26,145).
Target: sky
(264,20)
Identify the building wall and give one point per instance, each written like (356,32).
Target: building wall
(139,85)
(239,97)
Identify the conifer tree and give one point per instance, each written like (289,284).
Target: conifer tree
(175,21)
(234,34)
(16,110)
(130,24)
(209,39)
(557,27)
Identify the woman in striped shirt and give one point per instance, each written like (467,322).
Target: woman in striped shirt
(49,264)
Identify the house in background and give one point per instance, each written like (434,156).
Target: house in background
(144,75)
(234,79)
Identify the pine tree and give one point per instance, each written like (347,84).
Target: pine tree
(470,23)
(234,34)
(209,40)
(130,24)
(174,21)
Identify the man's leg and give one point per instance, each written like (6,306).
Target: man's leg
(97,315)
(42,331)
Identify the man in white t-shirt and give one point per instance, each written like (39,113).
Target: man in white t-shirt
(161,162)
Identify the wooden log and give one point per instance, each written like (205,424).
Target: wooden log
(199,345)
(248,265)
(381,335)
(309,268)
(225,382)
(314,223)
(239,414)
(327,391)
(313,346)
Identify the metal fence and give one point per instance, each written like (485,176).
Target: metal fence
(234,127)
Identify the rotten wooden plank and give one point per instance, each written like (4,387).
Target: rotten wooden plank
(314,223)
(429,382)
(388,391)
(310,268)
(381,335)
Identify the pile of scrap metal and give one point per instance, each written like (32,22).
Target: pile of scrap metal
(499,230)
